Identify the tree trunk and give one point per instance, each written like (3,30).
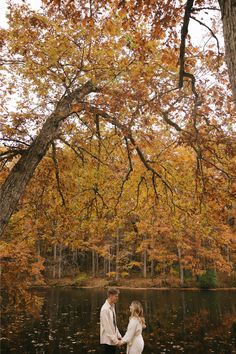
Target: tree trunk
(104,266)
(20,175)
(145,264)
(97,265)
(181,270)
(60,262)
(152,268)
(109,261)
(54,260)
(228,12)
(93,264)
(117,254)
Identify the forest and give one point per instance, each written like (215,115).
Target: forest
(117,144)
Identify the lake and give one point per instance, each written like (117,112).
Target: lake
(178,321)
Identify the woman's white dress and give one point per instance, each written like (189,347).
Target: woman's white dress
(133,337)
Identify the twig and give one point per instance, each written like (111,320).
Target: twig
(212,33)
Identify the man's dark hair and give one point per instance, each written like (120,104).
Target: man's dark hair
(112,291)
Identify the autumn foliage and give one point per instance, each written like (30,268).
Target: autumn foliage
(137,174)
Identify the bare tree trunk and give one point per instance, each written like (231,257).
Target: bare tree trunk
(109,261)
(152,268)
(145,264)
(97,264)
(60,262)
(104,266)
(14,186)
(117,254)
(93,264)
(228,12)
(181,270)
(54,260)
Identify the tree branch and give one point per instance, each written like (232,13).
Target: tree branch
(113,120)
(184,32)
(212,33)
(127,174)
(57,173)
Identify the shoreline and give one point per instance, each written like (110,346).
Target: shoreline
(48,286)
(131,284)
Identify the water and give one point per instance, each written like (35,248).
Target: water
(177,322)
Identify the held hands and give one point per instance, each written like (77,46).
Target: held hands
(120,343)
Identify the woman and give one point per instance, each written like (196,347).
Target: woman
(133,336)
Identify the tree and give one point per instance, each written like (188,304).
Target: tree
(70,69)
(98,222)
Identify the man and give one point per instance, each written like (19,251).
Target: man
(109,334)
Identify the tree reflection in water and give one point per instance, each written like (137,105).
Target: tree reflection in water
(177,322)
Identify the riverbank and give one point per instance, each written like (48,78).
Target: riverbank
(137,283)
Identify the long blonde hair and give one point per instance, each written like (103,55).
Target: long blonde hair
(137,312)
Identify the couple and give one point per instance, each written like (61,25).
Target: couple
(110,337)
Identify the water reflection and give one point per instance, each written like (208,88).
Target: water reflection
(178,322)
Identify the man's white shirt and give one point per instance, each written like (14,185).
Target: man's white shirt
(109,334)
